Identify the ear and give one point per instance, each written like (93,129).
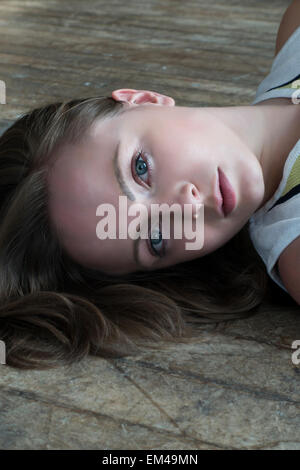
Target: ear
(131,96)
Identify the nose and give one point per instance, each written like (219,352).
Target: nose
(189,194)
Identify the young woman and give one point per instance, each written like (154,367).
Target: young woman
(65,293)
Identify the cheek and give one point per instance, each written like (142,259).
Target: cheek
(211,239)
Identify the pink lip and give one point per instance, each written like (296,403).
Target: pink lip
(227,194)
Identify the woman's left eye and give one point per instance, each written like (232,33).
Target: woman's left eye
(157,240)
(142,167)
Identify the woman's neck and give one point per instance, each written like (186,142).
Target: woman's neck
(270,130)
(282,124)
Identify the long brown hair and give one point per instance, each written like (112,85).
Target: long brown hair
(54,311)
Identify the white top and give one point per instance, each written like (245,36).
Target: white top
(277,223)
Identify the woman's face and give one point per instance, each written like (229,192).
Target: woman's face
(183,148)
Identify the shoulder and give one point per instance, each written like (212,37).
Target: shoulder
(289,23)
(289,268)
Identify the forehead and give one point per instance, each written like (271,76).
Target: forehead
(76,167)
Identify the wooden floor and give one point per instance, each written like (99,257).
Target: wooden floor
(236,386)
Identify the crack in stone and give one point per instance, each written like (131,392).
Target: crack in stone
(259,393)
(33,396)
(148,397)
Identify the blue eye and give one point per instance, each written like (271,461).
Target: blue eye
(142,167)
(156,240)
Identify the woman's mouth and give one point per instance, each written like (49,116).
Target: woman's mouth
(227,193)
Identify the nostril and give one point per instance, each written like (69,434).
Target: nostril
(195,192)
(190,191)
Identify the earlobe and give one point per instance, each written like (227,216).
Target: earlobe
(136,97)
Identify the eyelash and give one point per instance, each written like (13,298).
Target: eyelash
(141,154)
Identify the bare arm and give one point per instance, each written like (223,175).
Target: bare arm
(289,260)
(289,269)
(289,23)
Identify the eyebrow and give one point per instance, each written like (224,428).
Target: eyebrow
(126,192)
